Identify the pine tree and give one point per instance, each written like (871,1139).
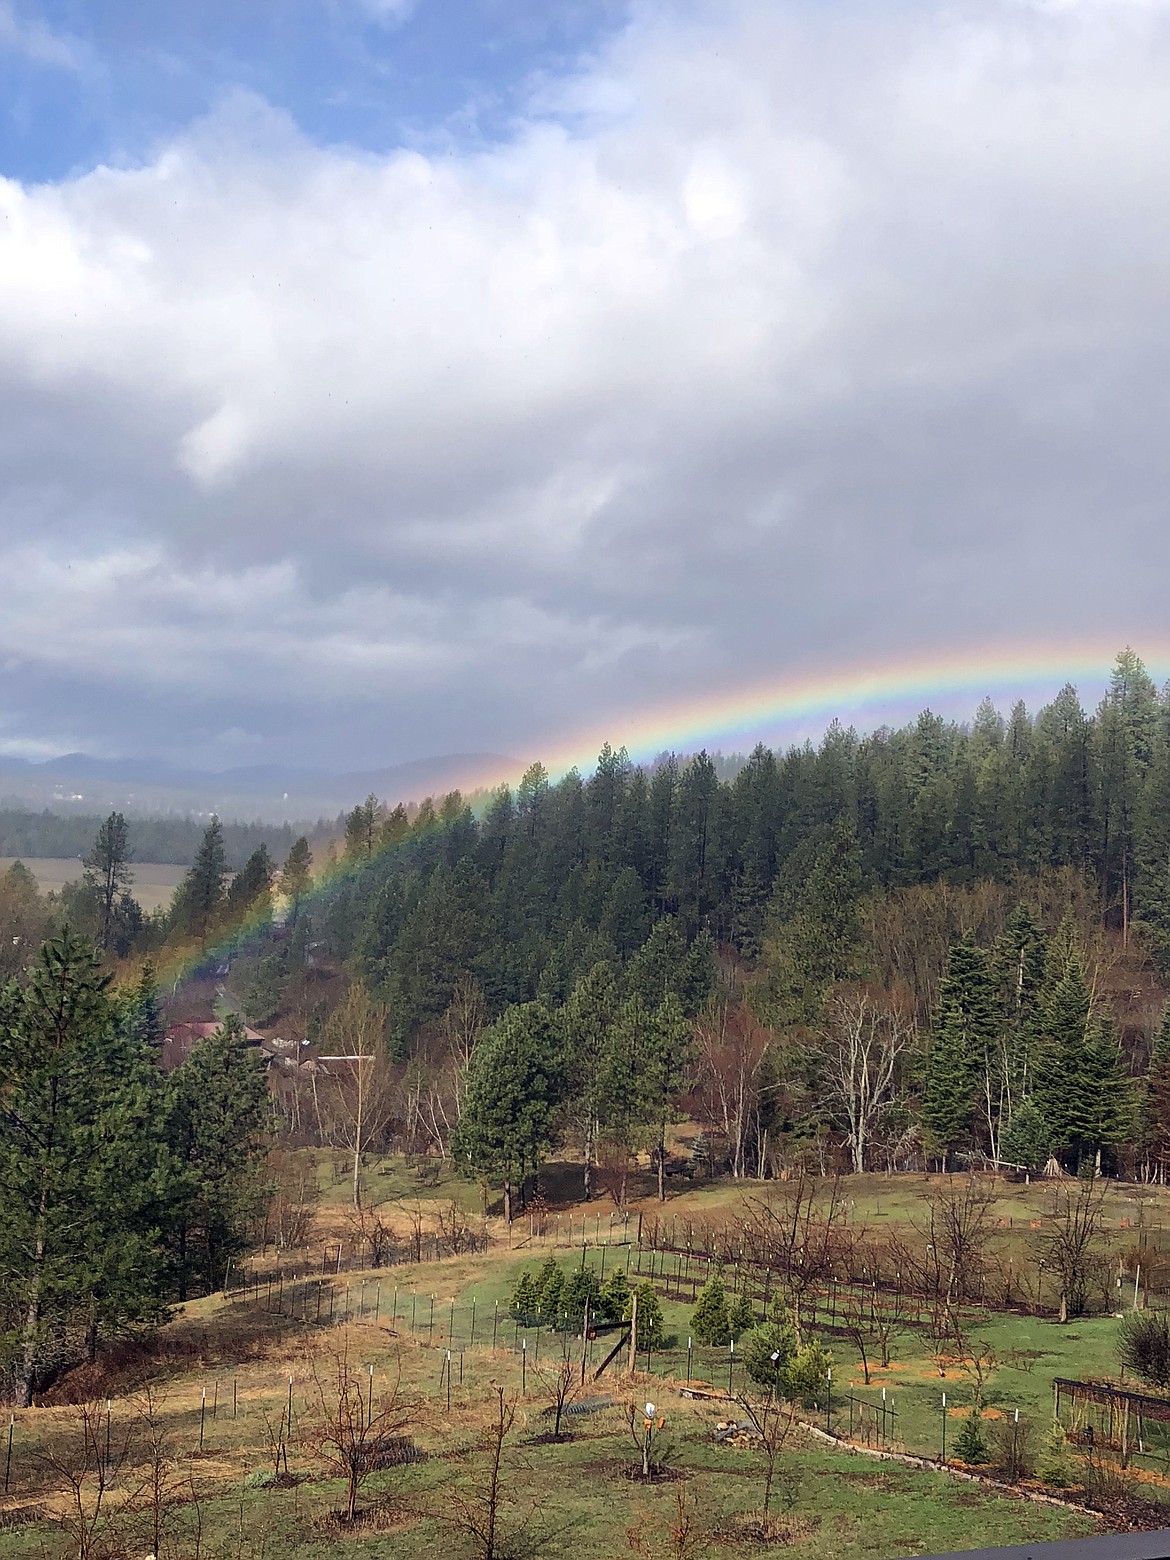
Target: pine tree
(710,1322)
(588,1017)
(108,873)
(77,1159)
(1082,1089)
(550,1283)
(971,1444)
(651,1324)
(526,1298)
(740,1318)
(199,897)
(665,1064)
(963,1050)
(514,1092)
(296,877)
(250,893)
(615,1292)
(216,1108)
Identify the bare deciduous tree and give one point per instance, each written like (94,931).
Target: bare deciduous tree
(732,1048)
(350,1428)
(864,1041)
(359,1086)
(477,1509)
(1069,1241)
(772,1421)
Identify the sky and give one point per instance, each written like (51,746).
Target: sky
(387,378)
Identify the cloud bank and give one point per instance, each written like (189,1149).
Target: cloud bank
(773,335)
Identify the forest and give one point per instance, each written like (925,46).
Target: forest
(941,944)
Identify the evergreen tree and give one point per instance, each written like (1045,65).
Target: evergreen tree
(199,897)
(651,1323)
(971,1444)
(108,873)
(615,1293)
(1081,1086)
(76,1139)
(759,1346)
(1026,1139)
(740,1317)
(216,1107)
(963,1050)
(667,1053)
(710,1322)
(250,893)
(815,937)
(296,877)
(513,1098)
(588,1017)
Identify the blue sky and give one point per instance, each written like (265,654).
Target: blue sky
(89,81)
(376,386)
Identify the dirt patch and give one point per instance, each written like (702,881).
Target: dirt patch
(633,1472)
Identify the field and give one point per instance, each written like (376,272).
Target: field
(154,881)
(223,1373)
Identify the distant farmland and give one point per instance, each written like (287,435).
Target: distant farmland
(154,881)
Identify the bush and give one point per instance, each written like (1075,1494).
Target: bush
(740,1318)
(1144,1347)
(1014,1453)
(757,1350)
(808,1373)
(971,1447)
(709,1320)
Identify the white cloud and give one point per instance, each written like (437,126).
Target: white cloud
(744,347)
(33,39)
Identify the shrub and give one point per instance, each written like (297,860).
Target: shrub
(760,1344)
(807,1374)
(1014,1453)
(1144,1347)
(709,1320)
(971,1447)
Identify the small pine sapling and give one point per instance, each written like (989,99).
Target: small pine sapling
(740,1318)
(709,1320)
(971,1447)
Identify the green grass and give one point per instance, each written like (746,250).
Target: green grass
(846,1504)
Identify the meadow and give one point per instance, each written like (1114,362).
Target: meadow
(153,885)
(201,1410)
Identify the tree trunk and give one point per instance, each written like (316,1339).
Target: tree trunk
(662,1164)
(508,1203)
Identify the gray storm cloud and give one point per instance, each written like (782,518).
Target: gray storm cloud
(775,333)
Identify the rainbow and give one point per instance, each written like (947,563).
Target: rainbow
(778,710)
(772,710)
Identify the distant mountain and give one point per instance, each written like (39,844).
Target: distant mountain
(78,782)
